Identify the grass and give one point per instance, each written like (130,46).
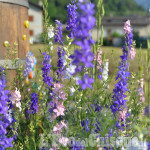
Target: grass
(111,53)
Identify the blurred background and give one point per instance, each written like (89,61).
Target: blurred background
(116,13)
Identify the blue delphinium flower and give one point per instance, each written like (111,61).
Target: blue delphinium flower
(4,117)
(85,125)
(83,58)
(13,132)
(60,51)
(59,62)
(58,32)
(148,146)
(118,99)
(33,104)
(71,19)
(86,82)
(147,110)
(47,78)
(76,145)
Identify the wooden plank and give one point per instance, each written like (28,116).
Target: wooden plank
(12,28)
(17,2)
(23,44)
(8,26)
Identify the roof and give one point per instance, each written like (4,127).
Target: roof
(35,5)
(119,21)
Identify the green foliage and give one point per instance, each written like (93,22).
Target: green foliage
(122,8)
(57,8)
(116,34)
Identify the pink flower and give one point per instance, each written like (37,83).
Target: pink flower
(62,95)
(64,141)
(132,53)
(58,127)
(128,23)
(58,86)
(98,58)
(122,115)
(141,91)
(15,99)
(63,124)
(60,109)
(127,27)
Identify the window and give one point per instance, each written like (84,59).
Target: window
(31,32)
(31,18)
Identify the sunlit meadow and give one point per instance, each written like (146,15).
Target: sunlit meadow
(77,95)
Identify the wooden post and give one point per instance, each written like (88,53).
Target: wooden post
(13,13)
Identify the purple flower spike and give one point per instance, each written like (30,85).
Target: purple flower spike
(86,82)
(5,120)
(60,51)
(119,97)
(33,104)
(47,78)
(58,33)
(82,37)
(71,19)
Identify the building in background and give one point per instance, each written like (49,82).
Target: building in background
(113,29)
(36,23)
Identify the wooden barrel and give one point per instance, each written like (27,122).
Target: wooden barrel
(13,14)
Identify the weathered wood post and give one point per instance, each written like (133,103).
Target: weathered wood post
(13,14)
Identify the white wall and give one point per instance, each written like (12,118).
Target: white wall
(37,24)
(143,31)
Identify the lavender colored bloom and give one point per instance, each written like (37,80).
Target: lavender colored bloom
(85,125)
(60,62)
(33,104)
(147,110)
(76,145)
(58,33)
(4,116)
(148,146)
(118,99)
(83,39)
(71,19)
(86,82)
(47,78)
(60,51)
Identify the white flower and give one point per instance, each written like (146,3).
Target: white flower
(76,78)
(105,71)
(69,71)
(50,32)
(64,141)
(72,90)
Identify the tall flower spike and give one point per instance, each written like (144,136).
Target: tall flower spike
(60,51)
(33,104)
(58,33)
(71,19)
(47,78)
(119,97)
(4,117)
(83,58)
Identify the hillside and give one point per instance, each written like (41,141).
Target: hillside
(57,8)
(123,8)
(144,3)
